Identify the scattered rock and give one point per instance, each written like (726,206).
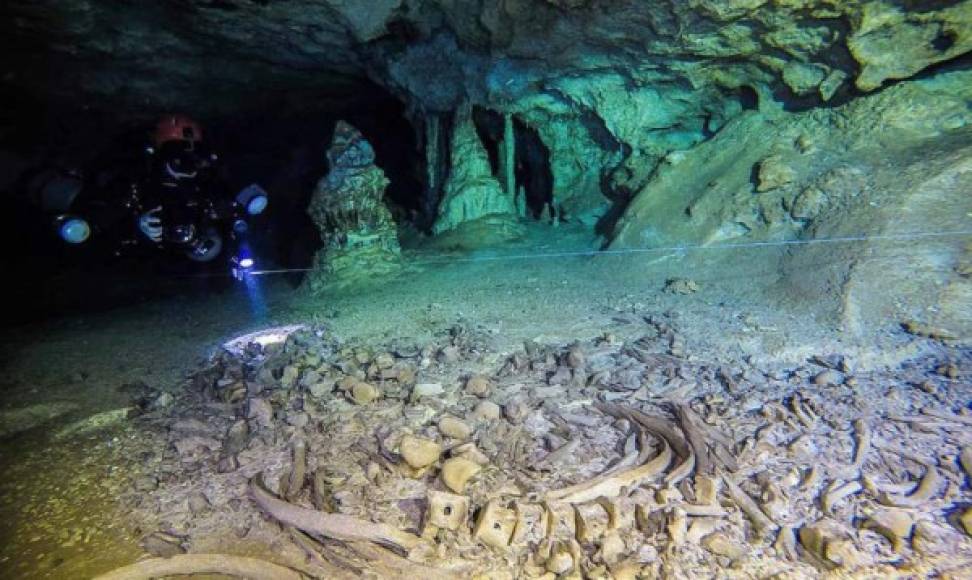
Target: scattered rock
(449,355)
(803,78)
(193,443)
(163,401)
(827,378)
(721,545)
(575,357)
(146,483)
(289,377)
(227,464)
(426,390)
(237,437)
(453,427)
(384,361)
(363,393)
(486,411)
(162,545)
(680,286)
(774,173)
(260,412)
(516,410)
(808,204)
(198,503)
(479,386)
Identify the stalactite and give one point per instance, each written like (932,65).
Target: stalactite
(509,155)
(432,162)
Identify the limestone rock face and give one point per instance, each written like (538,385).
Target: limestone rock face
(895,163)
(471,191)
(349,209)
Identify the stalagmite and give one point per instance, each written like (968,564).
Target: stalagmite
(471,191)
(349,209)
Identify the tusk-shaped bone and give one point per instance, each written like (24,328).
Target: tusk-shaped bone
(337,526)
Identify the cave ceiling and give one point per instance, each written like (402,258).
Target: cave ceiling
(433,54)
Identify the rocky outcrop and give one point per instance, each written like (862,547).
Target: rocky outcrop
(846,188)
(471,191)
(348,207)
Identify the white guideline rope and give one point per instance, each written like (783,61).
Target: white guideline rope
(662,249)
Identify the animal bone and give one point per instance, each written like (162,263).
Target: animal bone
(721,545)
(660,429)
(761,522)
(711,447)
(612,548)
(966,520)
(495,525)
(293,481)
(447,510)
(927,487)
(701,527)
(457,471)
(418,452)
(192,564)
(895,525)
(803,412)
(829,545)
(677,527)
(337,526)
(561,560)
(706,489)
(621,512)
(965,458)
(592,522)
(813,476)
(532,525)
(962,419)
(836,492)
(611,485)
(561,522)
(863,443)
(786,544)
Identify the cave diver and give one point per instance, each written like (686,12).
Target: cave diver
(179,200)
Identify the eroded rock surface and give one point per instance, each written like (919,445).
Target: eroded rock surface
(348,207)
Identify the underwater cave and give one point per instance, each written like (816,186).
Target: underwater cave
(532,288)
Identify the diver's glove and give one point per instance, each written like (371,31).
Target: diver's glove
(151,224)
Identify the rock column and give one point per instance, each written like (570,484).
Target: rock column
(348,207)
(471,191)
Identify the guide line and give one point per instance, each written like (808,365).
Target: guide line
(664,249)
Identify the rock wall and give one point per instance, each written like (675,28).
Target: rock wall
(872,172)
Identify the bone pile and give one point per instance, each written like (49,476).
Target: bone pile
(604,458)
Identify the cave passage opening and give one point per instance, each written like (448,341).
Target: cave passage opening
(530,172)
(276,139)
